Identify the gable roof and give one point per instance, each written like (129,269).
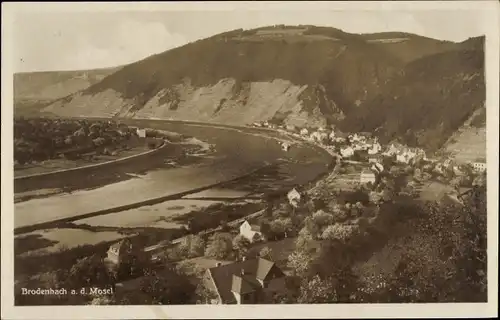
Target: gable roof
(120,244)
(229,277)
(263,268)
(243,284)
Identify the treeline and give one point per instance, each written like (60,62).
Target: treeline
(42,139)
(437,250)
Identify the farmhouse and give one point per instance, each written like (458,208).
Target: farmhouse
(251,232)
(347,152)
(479,166)
(294,197)
(124,251)
(249,281)
(318,136)
(141,133)
(331,136)
(376,148)
(285,146)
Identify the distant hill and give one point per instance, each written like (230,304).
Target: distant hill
(33,90)
(300,75)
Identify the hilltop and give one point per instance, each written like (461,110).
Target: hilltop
(298,75)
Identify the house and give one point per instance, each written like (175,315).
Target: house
(367,176)
(391,150)
(403,158)
(347,152)
(290,127)
(318,136)
(304,132)
(285,146)
(141,133)
(479,166)
(331,136)
(249,281)
(124,251)
(376,148)
(294,197)
(251,232)
(457,171)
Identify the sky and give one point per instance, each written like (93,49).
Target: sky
(44,40)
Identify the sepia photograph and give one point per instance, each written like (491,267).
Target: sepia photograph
(262,156)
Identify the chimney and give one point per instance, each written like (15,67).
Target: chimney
(242,272)
(243,258)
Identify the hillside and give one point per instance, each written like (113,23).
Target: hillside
(51,85)
(34,90)
(428,101)
(468,143)
(301,75)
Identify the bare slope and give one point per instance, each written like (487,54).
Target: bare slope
(468,143)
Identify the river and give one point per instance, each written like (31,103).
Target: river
(238,152)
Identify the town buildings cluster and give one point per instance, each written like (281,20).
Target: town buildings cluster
(365,147)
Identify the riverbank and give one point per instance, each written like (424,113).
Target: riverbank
(55,166)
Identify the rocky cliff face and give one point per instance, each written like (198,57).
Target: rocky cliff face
(278,100)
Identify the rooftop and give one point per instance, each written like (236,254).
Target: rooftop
(241,276)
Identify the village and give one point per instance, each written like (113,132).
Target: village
(248,260)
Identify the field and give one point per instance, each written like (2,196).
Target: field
(468,145)
(434,191)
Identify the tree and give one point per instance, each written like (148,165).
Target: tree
(321,218)
(203,294)
(311,227)
(281,227)
(241,245)
(283,210)
(265,229)
(299,262)
(220,246)
(192,246)
(338,212)
(317,290)
(444,258)
(87,272)
(340,232)
(167,287)
(102,300)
